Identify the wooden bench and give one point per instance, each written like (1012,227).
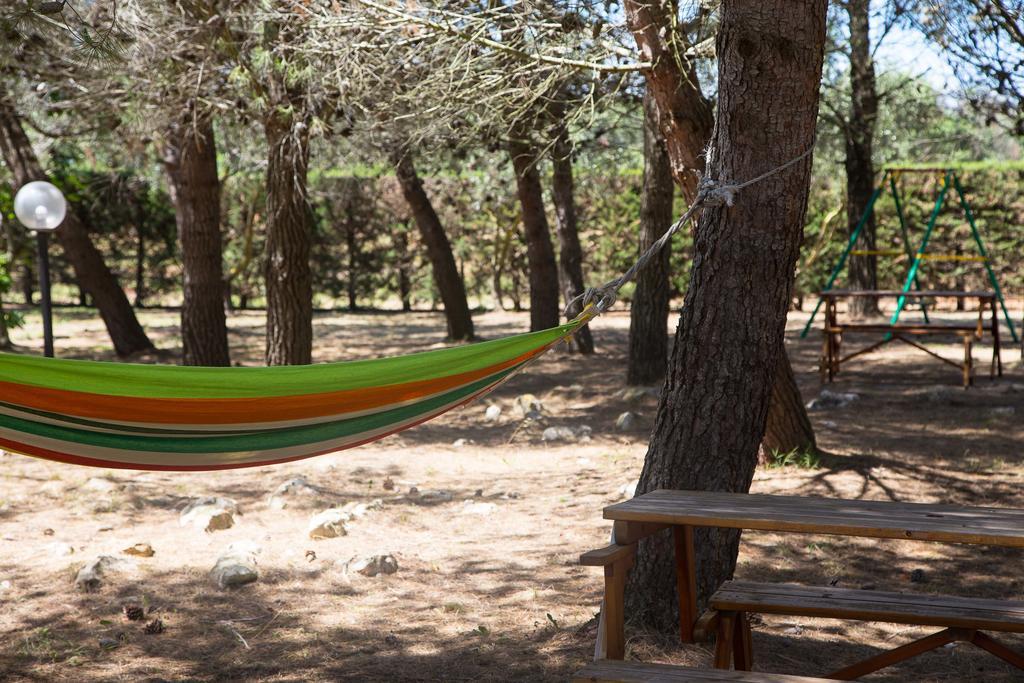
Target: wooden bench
(610,671)
(680,512)
(962,619)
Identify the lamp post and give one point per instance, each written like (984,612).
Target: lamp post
(41,207)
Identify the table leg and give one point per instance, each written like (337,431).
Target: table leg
(968,363)
(614,608)
(724,640)
(744,644)
(985,642)
(686,581)
(997,359)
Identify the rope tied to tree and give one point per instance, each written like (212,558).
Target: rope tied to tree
(710,192)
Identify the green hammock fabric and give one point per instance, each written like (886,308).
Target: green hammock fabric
(154,417)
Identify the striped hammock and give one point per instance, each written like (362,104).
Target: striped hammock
(153,417)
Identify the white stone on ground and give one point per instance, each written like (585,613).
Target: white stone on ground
(99,485)
(328,524)
(832,399)
(493,413)
(140,550)
(471,507)
(373,565)
(209,514)
(292,490)
(359,510)
(528,406)
(626,421)
(61,549)
(90,577)
(236,567)
(558,434)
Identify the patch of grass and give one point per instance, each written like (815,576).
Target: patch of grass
(46,645)
(807,458)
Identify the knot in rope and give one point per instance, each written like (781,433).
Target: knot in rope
(717,193)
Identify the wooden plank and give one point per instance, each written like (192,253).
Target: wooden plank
(929,293)
(744,645)
(686,581)
(607,555)
(724,639)
(637,672)
(907,328)
(864,605)
(830,516)
(628,533)
(614,611)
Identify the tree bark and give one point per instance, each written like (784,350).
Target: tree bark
(714,406)
(648,314)
(439,250)
(788,428)
(570,253)
(684,114)
(5,338)
(92,273)
(190,158)
(540,254)
(859,143)
(289,278)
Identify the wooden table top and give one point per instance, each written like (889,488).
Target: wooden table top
(932,293)
(833,516)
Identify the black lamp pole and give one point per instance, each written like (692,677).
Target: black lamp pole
(42,245)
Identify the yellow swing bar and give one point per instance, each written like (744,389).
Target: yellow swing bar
(878,252)
(952,257)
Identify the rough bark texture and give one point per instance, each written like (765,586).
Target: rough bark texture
(860,168)
(439,250)
(648,314)
(92,273)
(289,237)
(715,402)
(540,254)
(190,158)
(5,339)
(684,114)
(788,428)
(570,253)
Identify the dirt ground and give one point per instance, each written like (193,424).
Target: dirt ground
(491,591)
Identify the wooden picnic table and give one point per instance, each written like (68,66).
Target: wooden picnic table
(833,330)
(682,511)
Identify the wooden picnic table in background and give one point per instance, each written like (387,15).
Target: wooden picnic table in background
(833,330)
(682,511)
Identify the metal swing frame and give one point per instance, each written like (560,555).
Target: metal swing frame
(950,180)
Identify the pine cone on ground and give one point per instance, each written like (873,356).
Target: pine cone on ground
(134,612)
(154,627)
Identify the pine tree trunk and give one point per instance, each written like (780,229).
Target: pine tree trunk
(860,168)
(713,410)
(570,253)
(788,428)
(190,158)
(289,278)
(648,315)
(439,250)
(92,273)
(140,264)
(404,279)
(5,337)
(540,254)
